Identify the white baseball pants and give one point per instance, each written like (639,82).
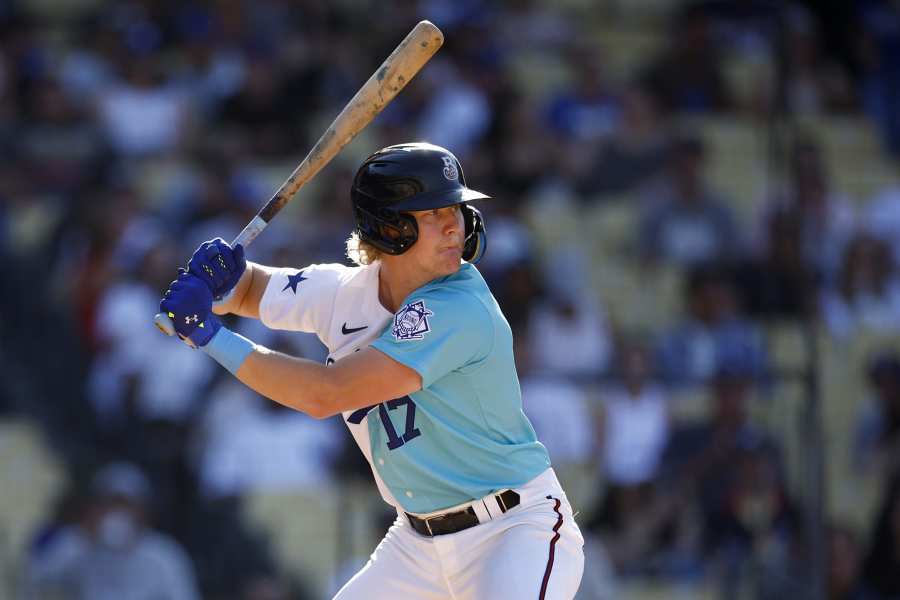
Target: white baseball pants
(534,550)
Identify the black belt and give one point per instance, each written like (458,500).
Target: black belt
(459,520)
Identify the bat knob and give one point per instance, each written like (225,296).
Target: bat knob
(164,323)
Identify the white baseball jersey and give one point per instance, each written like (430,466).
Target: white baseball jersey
(339,304)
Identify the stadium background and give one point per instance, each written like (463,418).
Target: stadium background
(695,238)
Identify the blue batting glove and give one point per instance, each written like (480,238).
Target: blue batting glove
(219,265)
(188,302)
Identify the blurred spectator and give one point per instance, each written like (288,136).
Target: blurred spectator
(634,152)
(143,114)
(684,223)
(731,468)
(529,24)
(844,560)
(866,294)
(634,429)
(88,66)
(263,105)
(512,243)
(588,109)
(251,444)
(558,409)
(635,423)
(687,75)
(523,147)
(780,282)
(756,526)
(879,55)
(881,568)
(713,333)
(877,436)
(138,376)
(218,203)
(60,145)
(84,264)
(519,290)
(231,556)
(569,333)
(458,114)
(815,82)
(112,551)
(826,217)
(881,217)
(207,69)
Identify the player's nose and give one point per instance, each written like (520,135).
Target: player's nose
(452,221)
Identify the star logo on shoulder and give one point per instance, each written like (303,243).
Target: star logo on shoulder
(293,281)
(411,322)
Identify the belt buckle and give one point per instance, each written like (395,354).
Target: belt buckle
(428,523)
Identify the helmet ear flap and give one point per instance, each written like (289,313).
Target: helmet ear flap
(476,236)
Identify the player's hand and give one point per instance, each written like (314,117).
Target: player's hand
(188,302)
(219,265)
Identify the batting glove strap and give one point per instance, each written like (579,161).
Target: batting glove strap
(229,349)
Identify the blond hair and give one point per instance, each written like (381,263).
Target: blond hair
(360,251)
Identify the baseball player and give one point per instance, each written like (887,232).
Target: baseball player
(421,369)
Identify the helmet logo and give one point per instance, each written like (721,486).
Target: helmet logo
(450,171)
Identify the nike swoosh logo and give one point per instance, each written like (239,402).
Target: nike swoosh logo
(348,330)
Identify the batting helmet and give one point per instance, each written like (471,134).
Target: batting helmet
(407,177)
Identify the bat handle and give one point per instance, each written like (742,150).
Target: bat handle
(164,323)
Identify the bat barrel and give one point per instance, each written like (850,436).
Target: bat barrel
(392,76)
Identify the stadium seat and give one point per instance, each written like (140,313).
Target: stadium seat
(854,154)
(610,224)
(638,298)
(735,158)
(31,479)
(628,50)
(302,527)
(536,73)
(853,495)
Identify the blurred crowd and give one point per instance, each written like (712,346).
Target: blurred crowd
(132,131)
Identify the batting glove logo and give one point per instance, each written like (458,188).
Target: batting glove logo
(411,322)
(450,171)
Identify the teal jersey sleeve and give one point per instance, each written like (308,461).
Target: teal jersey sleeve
(438,331)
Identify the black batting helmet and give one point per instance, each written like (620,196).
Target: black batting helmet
(406,177)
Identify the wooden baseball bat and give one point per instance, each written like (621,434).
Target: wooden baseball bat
(392,76)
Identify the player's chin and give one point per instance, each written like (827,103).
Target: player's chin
(450,261)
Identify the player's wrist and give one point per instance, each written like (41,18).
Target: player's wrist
(229,349)
(204,332)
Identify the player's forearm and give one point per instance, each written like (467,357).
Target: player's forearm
(244,300)
(362,379)
(298,383)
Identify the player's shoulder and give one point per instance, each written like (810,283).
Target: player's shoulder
(337,271)
(462,286)
(462,293)
(327,275)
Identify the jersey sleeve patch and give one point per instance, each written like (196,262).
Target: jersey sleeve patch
(411,322)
